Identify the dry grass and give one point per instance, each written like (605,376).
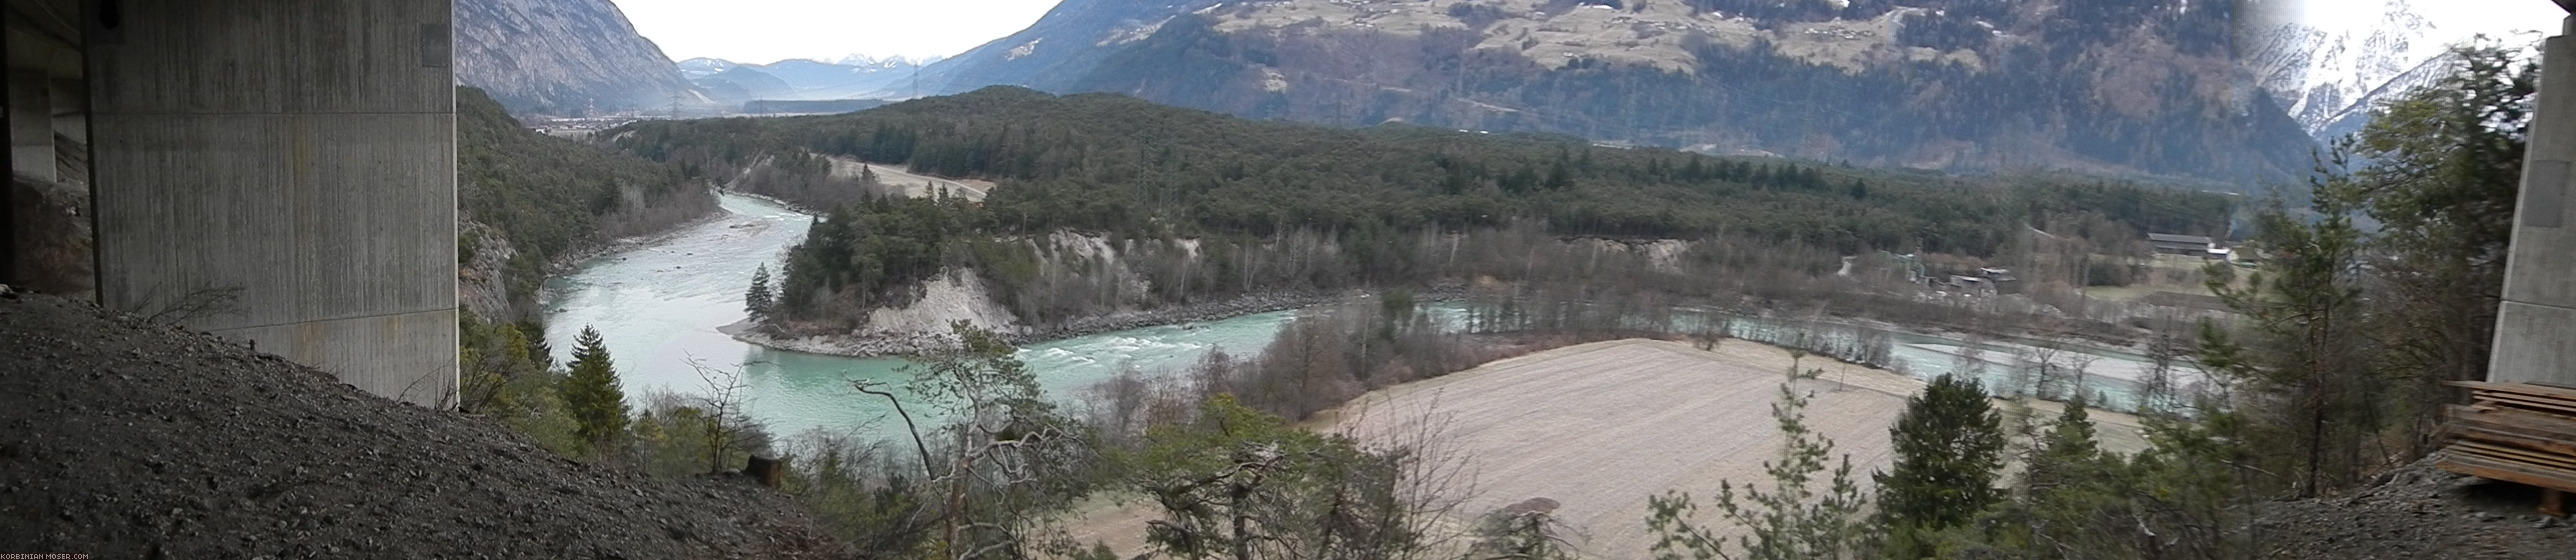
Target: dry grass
(2165,274)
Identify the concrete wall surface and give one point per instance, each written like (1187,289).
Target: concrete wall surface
(2536,324)
(284,172)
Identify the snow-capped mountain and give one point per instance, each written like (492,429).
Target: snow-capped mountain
(2329,76)
(899,62)
(702,67)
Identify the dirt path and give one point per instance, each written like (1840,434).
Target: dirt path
(912,184)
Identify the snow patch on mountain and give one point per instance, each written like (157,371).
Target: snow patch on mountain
(1024,50)
(702,67)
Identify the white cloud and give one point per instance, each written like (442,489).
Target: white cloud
(760,31)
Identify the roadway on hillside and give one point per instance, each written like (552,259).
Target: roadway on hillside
(911,184)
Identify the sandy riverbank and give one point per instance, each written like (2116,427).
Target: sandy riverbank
(1600,427)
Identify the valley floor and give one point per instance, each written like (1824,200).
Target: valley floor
(1601,427)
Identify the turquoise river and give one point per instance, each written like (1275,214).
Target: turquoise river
(658,303)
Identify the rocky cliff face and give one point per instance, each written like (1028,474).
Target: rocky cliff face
(2108,86)
(1063,45)
(565,57)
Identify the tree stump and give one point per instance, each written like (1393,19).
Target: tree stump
(767,470)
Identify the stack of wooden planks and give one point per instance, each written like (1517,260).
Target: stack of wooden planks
(2516,432)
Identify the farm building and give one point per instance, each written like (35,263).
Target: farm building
(2174,244)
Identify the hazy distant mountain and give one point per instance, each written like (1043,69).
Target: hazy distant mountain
(2115,86)
(738,84)
(895,61)
(2329,80)
(702,67)
(564,57)
(855,77)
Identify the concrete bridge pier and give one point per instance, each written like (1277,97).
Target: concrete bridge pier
(281,172)
(2536,324)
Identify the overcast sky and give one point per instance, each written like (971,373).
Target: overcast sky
(2455,19)
(763,31)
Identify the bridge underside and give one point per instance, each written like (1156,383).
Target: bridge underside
(282,172)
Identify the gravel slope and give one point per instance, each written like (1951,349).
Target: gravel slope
(2419,511)
(120,439)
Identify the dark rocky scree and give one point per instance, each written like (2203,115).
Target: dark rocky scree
(123,439)
(2418,511)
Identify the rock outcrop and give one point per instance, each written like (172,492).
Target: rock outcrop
(565,58)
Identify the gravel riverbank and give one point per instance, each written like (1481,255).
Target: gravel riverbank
(912,343)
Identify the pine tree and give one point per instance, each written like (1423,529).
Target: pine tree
(2298,347)
(1949,444)
(2445,171)
(757,301)
(591,393)
(1799,517)
(2077,500)
(2068,449)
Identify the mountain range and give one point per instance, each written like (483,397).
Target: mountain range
(854,77)
(2119,87)
(2103,86)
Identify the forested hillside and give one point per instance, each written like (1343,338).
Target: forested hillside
(1216,205)
(527,198)
(1115,164)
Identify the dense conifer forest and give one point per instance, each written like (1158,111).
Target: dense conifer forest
(1109,163)
(1275,206)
